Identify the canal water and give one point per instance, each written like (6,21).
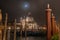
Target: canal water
(29,37)
(40,37)
(32,38)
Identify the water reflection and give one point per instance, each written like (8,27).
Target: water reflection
(42,36)
(32,38)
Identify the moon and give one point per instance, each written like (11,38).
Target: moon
(25,5)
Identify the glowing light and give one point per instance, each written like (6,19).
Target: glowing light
(26,5)
(9,28)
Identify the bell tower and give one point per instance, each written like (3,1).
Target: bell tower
(55,29)
(53,24)
(48,21)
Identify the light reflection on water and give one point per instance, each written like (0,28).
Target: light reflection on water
(32,38)
(40,37)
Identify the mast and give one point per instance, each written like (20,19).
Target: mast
(15,30)
(5,30)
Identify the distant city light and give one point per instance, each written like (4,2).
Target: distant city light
(9,28)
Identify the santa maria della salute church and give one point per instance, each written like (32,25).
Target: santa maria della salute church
(27,26)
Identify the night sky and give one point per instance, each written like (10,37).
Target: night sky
(15,9)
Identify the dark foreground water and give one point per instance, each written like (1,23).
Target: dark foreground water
(32,38)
